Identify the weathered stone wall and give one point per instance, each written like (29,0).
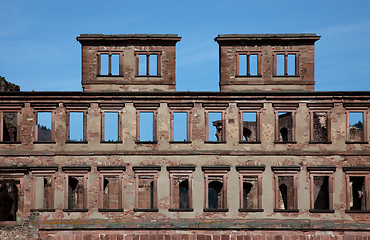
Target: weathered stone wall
(6,86)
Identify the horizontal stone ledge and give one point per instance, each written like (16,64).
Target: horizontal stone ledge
(216,224)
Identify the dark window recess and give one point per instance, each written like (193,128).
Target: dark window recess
(321,192)
(8,201)
(285,127)
(181,192)
(10,127)
(249,126)
(75,192)
(215,193)
(358,194)
(215,133)
(111,192)
(286,192)
(44,127)
(146,192)
(356,126)
(250,193)
(320,127)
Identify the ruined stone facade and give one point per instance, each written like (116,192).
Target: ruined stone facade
(131,158)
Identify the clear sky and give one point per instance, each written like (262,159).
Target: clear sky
(39,51)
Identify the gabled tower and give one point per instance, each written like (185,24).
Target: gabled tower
(267,62)
(128,62)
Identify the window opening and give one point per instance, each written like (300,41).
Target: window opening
(109,64)
(286,64)
(76,126)
(250,192)
(148,65)
(356,126)
(321,192)
(10,127)
(285,127)
(215,192)
(291,64)
(75,192)
(357,193)
(242,65)
(111,192)
(249,126)
(215,127)
(180,126)
(280,64)
(44,126)
(104,61)
(248,65)
(146,126)
(286,192)
(8,201)
(146,192)
(320,127)
(111,126)
(115,64)
(43,192)
(181,193)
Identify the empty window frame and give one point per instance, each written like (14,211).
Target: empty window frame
(249,122)
(248,64)
(215,127)
(215,188)
(76,188)
(320,122)
(180,122)
(42,182)
(321,188)
(10,126)
(110,64)
(250,188)
(357,188)
(357,126)
(146,123)
(76,126)
(44,127)
(110,190)
(285,188)
(285,123)
(148,63)
(111,126)
(181,188)
(11,193)
(286,64)
(146,188)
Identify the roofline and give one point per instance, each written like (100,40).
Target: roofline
(128,37)
(264,37)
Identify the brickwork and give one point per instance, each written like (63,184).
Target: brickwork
(6,86)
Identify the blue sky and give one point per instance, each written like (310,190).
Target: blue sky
(39,51)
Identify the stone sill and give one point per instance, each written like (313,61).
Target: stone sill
(245,142)
(313,142)
(110,210)
(358,211)
(146,142)
(180,142)
(287,142)
(10,142)
(42,210)
(287,210)
(146,209)
(180,209)
(215,210)
(38,142)
(76,210)
(111,142)
(321,211)
(250,210)
(349,142)
(215,142)
(76,142)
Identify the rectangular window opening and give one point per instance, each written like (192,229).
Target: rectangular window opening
(146,126)
(43,192)
(76,126)
(285,127)
(76,190)
(104,64)
(44,127)
(111,192)
(242,65)
(216,198)
(320,127)
(253,64)
(249,126)
(280,64)
(291,64)
(10,127)
(180,126)
(215,127)
(111,126)
(321,192)
(181,192)
(285,192)
(146,193)
(250,192)
(115,64)
(357,193)
(356,126)
(9,196)
(153,63)
(142,64)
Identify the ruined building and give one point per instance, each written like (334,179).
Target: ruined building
(130,158)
